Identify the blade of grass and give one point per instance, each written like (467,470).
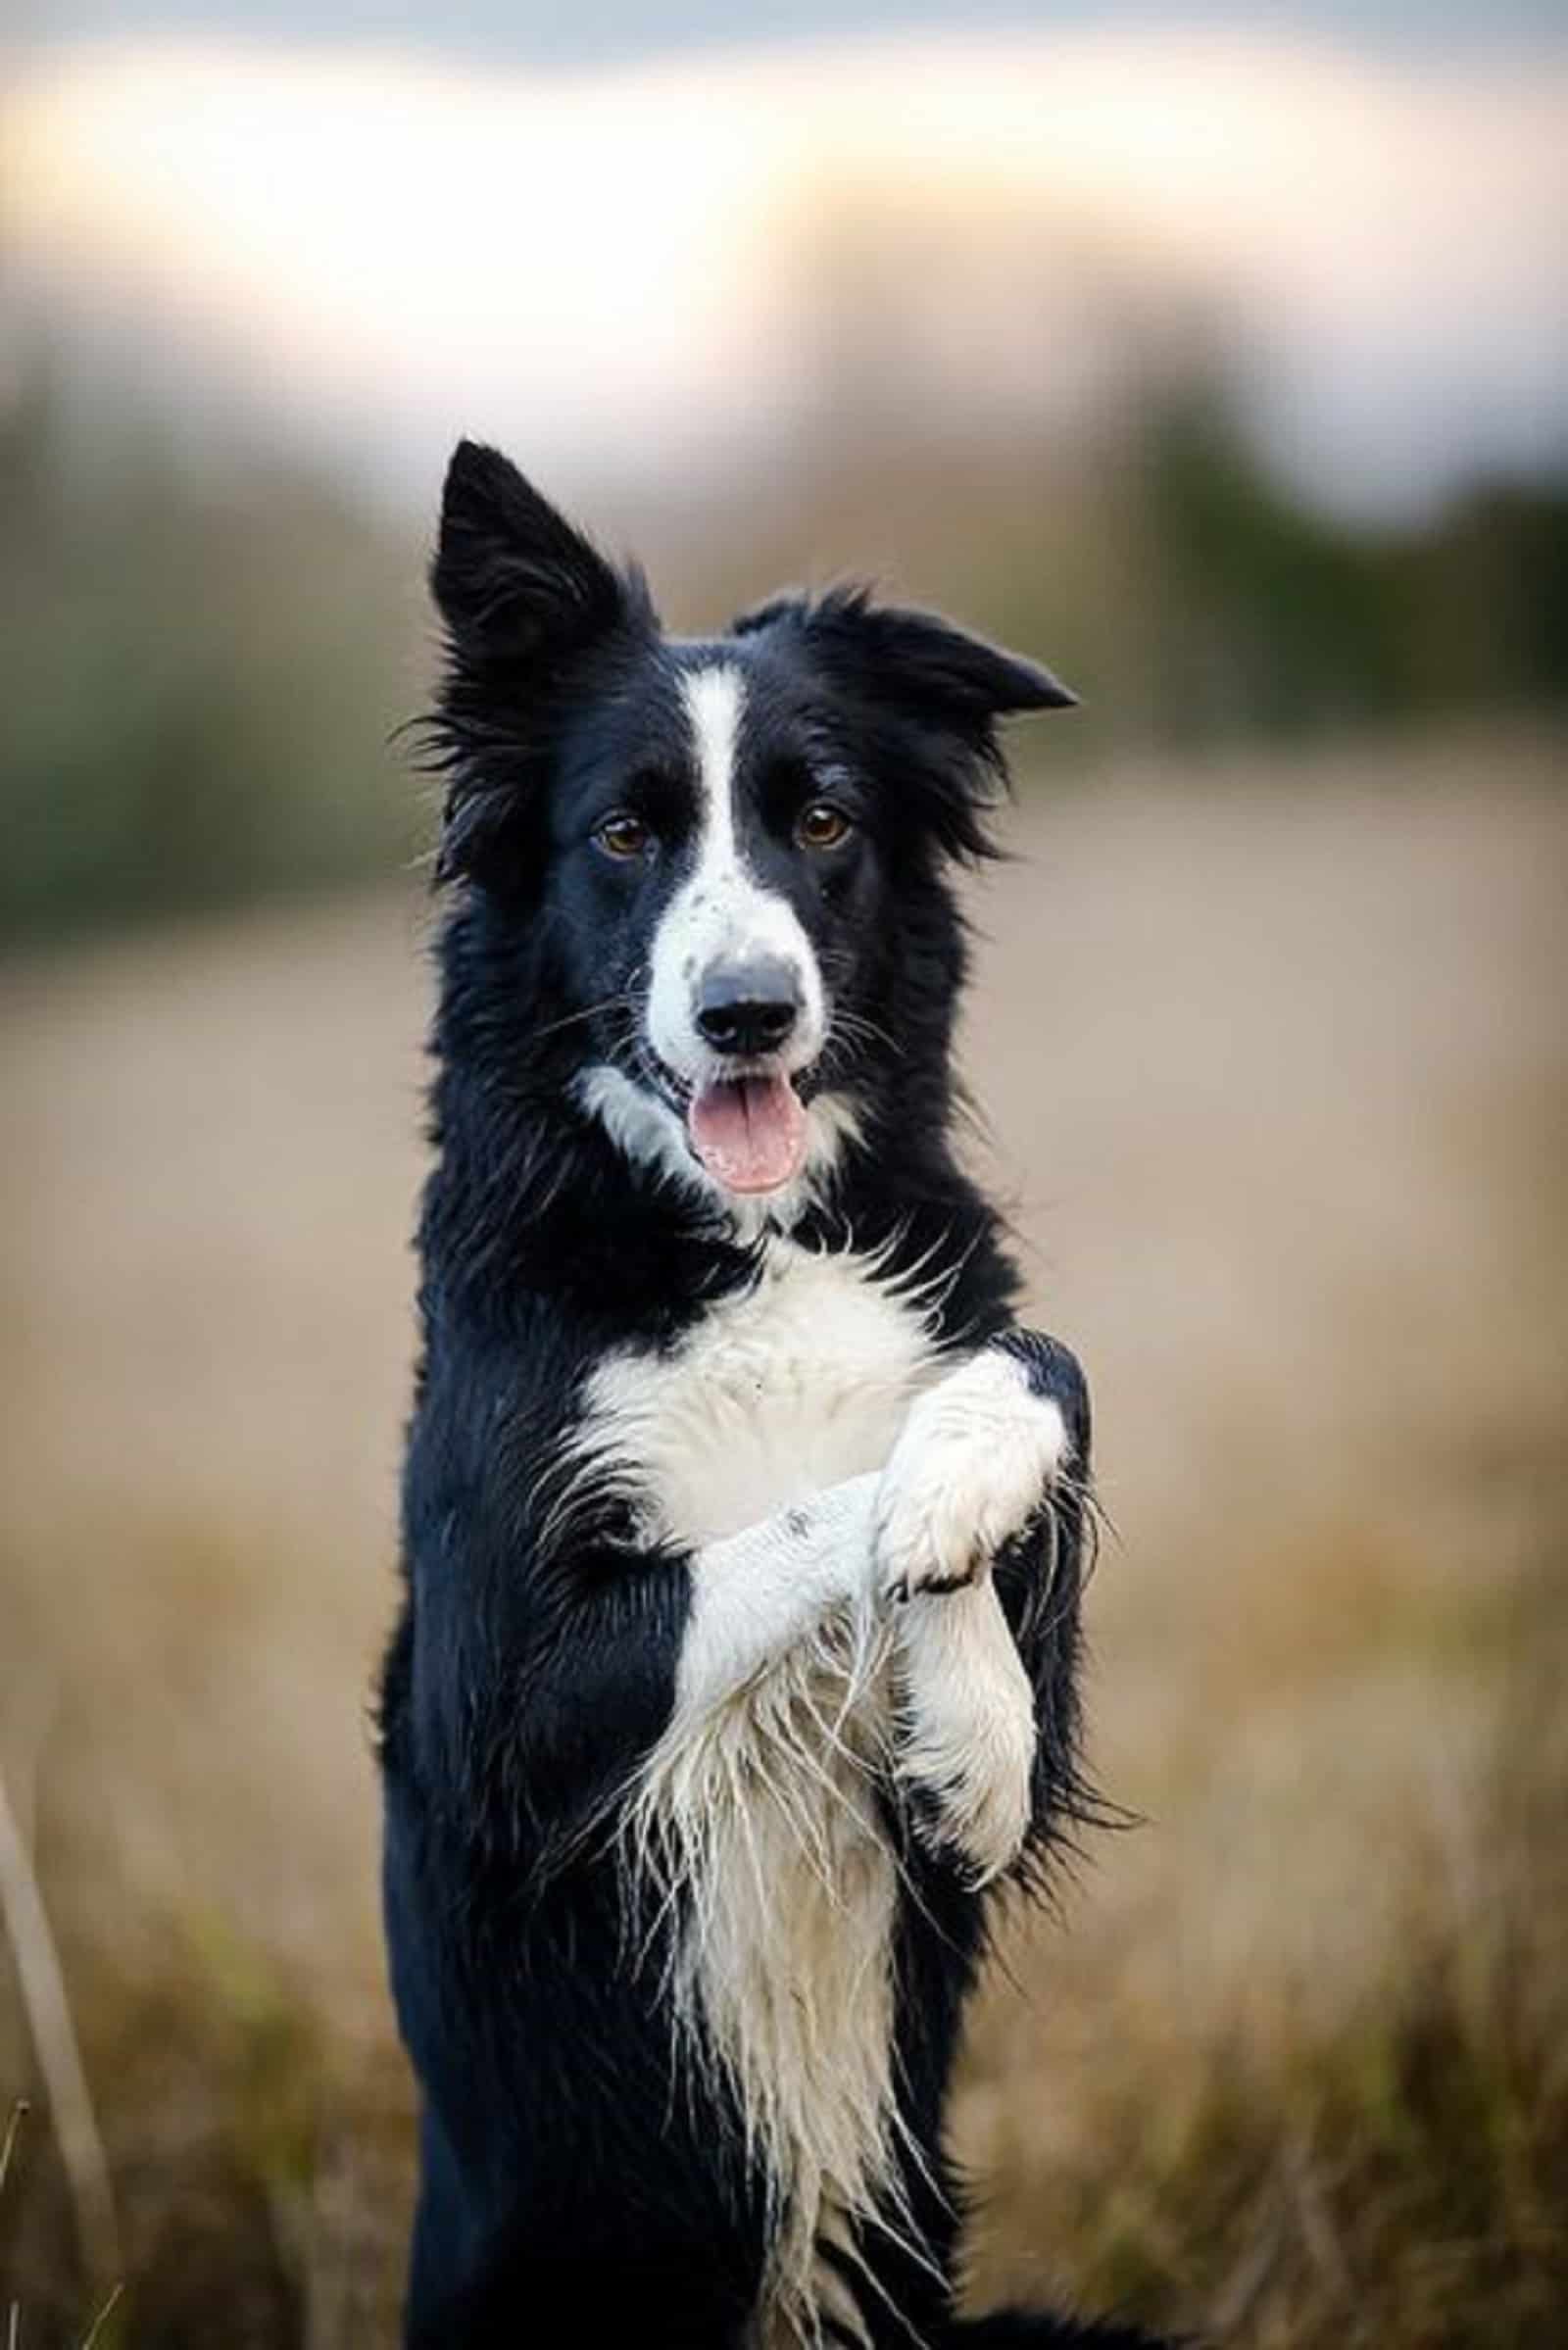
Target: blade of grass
(103,2316)
(19,2114)
(54,2039)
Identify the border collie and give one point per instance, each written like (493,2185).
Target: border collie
(743,1525)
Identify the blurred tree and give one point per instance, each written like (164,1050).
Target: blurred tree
(1270,619)
(198,682)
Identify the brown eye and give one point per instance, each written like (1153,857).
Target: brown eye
(821,825)
(623,837)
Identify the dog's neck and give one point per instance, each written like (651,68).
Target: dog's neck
(534,1193)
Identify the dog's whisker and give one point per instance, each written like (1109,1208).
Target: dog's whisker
(623,1001)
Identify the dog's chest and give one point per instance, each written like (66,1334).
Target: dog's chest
(797,1382)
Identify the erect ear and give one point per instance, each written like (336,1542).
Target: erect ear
(522,594)
(512,579)
(931,691)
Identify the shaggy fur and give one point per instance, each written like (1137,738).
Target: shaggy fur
(742,1532)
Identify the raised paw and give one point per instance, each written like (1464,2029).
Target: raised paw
(971,1466)
(966,1725)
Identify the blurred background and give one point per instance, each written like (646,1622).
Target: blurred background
(1217,356)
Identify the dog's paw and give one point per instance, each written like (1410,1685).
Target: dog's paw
(971,1466)
(968,1737)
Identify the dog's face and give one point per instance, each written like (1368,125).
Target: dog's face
(726,854)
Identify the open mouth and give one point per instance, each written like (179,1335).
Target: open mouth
(746,1129)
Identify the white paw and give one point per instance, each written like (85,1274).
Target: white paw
(968,1728)
(969,1469)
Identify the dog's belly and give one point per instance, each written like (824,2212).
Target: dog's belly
(762,1815)
(798,1383)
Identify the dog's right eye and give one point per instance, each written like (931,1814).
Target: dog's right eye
(623,837)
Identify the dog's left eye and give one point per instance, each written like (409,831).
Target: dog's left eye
(821,825)
(623,837)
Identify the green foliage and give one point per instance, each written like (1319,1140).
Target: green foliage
(1268,620)
(198,676)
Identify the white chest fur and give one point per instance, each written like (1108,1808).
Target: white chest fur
(758,1808)
(798,1383)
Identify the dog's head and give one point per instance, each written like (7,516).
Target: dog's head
(725,856)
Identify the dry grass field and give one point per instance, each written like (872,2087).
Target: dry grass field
(1277,1078)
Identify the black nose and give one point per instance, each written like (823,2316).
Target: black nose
(749,1008)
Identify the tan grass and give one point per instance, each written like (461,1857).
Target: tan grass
(1277,1076)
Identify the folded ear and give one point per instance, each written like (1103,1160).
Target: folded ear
(927,666)
(929,698)
(512,579)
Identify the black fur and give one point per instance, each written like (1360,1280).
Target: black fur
(574,2187)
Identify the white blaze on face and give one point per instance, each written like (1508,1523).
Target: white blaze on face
(750,1131)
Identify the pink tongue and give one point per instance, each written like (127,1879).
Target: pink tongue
(748,1132)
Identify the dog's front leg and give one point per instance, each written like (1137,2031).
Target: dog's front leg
(758,1594)
(993,1451)
(967,1732)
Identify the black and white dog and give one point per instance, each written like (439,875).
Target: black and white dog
(743,1524)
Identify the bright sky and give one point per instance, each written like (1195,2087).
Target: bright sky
(539,30)
(382,249)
